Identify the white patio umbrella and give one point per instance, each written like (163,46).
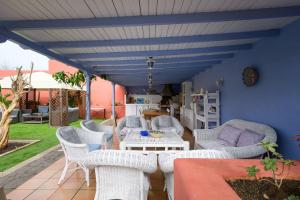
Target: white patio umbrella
(39,80)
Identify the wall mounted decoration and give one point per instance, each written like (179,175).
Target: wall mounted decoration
(250,76)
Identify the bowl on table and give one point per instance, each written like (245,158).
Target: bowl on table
(156,134)
(144,133)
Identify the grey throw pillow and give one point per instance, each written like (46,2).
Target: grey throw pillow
(132,122)
(230,135)
(249,137)
(91,125)
(164,121)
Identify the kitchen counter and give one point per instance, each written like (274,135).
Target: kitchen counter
(137,109)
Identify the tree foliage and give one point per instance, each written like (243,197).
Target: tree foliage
(76,79)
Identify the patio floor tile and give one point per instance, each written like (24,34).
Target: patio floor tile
(44,185)
(32,184)
(157,195)
(50,184)
(85,195)
(19,194)
(47,173)
(157,184)
(92,185)
(63,194)
(40,195)
(73,184)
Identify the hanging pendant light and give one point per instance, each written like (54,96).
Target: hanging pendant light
(150,62)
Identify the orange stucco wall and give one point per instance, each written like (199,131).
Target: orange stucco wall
(101,91)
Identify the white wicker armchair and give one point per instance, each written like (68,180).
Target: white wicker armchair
(123,124)
(167,123)
(122,174)
(209,135)
(94,128)
(166,163)
(75,144)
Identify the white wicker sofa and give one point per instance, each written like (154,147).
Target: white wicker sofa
(210,138)
(76,144)
(167,123)
(98,128)
(122,174)
(130,123)
(166,163)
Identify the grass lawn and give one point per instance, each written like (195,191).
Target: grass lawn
(42,132)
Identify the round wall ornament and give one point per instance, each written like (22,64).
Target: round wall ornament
(250,76)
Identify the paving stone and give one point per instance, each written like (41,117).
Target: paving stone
(20,176)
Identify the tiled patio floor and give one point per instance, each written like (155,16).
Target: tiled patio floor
(44,185)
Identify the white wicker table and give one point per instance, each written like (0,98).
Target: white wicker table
(169,141)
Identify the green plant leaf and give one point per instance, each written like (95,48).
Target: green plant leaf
(269,163)
(288,162)
(269,146)
(252,170)
(293,197)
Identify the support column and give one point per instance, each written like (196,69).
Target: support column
(88,96)
(113,114)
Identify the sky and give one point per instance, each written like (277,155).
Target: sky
(12,56)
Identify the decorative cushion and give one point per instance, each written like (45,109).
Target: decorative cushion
(90,125)
(94,147)
(108,136)
(126,130)
(230,135)
(168,129)
(213,144)
(132,122)
(14,112)
(249,137)
(43,109)
(164,121)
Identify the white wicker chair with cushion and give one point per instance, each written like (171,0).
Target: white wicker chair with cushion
(98,128)
(122,174)
(131,123)
(166,163)
(76,144)
(167,123)
(238,137)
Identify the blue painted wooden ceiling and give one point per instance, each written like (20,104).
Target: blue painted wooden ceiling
(115,37)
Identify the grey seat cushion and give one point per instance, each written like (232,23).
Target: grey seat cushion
(133,122)
(164,121)
(213,144)
(71,136)
(90,125)
(230,135)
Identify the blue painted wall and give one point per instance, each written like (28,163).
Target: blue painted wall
(275,100)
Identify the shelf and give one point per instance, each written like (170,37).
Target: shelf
(197,95)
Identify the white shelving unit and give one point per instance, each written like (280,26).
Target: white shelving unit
(207,109)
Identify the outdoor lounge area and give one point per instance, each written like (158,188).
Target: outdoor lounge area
(201,100)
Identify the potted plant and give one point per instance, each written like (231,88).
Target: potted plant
(274,187)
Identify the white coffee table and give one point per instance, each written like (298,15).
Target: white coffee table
(169,141)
